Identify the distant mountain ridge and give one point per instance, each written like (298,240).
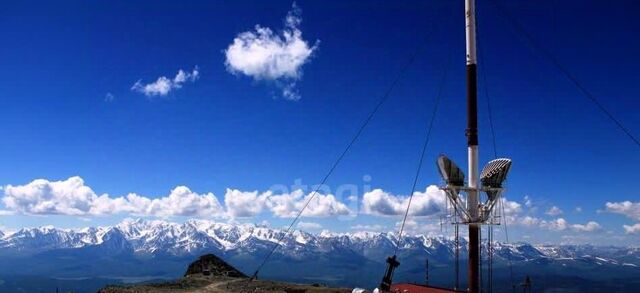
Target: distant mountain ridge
(161,249)
(193,236)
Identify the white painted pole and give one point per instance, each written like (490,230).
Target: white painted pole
(470,31)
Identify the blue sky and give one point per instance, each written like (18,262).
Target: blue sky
(70,108)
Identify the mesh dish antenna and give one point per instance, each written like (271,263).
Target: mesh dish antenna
(450,172)
(493,174)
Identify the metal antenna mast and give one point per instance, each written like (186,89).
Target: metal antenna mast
(472,145)
(469,209)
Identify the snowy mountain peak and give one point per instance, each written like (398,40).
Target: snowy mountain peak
(154,237)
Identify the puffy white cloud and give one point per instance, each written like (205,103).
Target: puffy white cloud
(289,205)
(244,204)
(431,202)
(379,202)
(265,55)
(512,211)
(558,224)
(588,227)
(163,85)
(627,208)
(68,197)
(511,208)
(184,202)
(6,213)
(514,214)
(529,221)
(554,211)
(309,226)
(183,77)
(633,229)
(73,197)
(285,205)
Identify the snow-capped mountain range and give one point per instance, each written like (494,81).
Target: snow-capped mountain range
(163,249)
(194,236)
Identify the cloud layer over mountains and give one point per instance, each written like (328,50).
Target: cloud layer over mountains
(72,197)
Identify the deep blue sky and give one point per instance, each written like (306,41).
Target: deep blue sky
(59,60)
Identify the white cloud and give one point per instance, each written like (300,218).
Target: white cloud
(429,203)
(588,227)
(432,202)
(69,197)
(378,202)
(554,211)
(109,97)
(558,224)
(529,221)
(6,213)
(183,202)
(288,205)
(73,197)
(578,210)
(627,208)
(265,55)
(309,226)
(375,228)
(414,227)
(244,204)
(511,208)
(285,205)
(633,229)
(512,211)
(163,85)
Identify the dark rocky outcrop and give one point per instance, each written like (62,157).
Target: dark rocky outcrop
(210,264)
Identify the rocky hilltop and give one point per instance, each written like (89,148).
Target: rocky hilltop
(210,264)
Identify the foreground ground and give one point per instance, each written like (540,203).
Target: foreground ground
(211,274)
(209,284)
